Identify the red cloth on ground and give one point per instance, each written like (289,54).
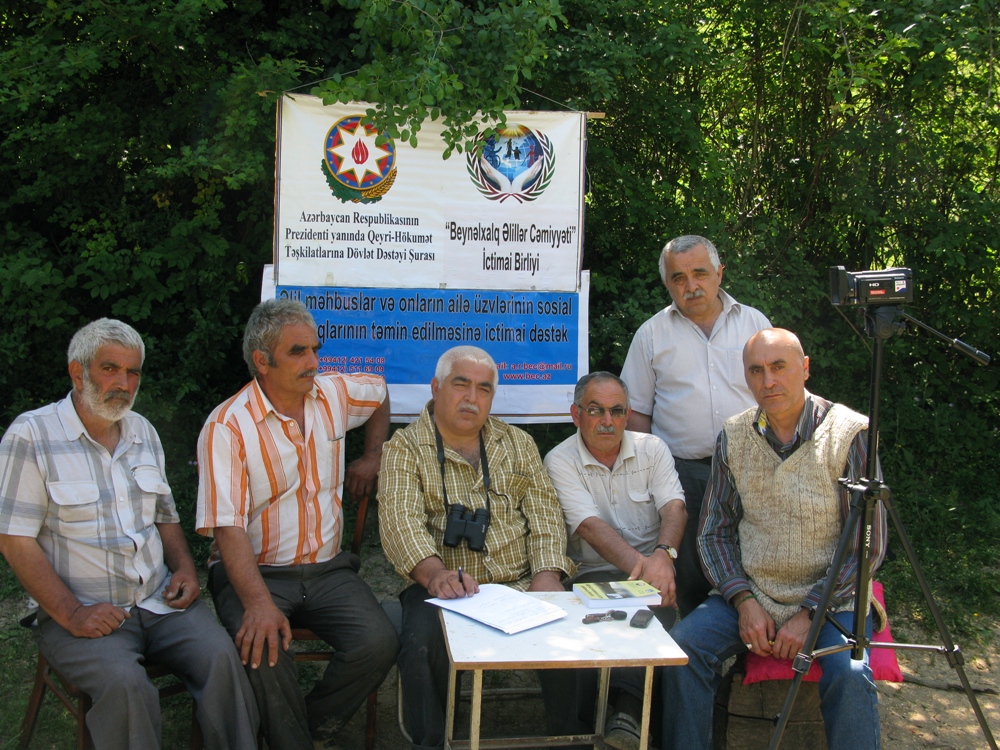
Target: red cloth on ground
(882,660)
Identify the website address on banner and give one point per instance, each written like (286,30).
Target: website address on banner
(539,369)
(526,376)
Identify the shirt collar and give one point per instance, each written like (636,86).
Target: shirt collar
(625,452)
(492,430)
(804,428)
(74,428)
(261,406)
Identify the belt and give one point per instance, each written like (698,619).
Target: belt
(707,460)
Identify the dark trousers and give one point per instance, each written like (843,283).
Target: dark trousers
(331,600)
(692,586)
(423,672)
(126,705)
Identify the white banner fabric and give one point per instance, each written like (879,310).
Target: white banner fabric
(353,213)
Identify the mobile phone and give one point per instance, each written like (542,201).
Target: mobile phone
(641,618)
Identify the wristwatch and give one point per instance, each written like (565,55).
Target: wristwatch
(668,549)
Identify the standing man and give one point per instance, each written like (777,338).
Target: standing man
(625,516)
(271,471)
(88,524)
(456,453)
(685,377)
(773,517)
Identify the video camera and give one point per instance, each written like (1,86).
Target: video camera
(893,286)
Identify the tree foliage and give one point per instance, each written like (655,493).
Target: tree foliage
(800,136)
(138,183)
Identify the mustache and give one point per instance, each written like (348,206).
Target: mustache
(117,394)
(469,408)
(695,294)
(309,373)
(606,429)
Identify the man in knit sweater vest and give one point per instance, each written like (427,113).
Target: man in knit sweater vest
(771,519)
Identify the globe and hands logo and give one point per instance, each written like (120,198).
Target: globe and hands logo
(515,162)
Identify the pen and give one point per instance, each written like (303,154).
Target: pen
(461,580)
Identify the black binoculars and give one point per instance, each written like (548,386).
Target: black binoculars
(466,524)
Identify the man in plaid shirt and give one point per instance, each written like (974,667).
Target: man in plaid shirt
(457,454)
(88,523)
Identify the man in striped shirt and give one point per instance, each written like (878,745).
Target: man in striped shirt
(773,515)
(271,481)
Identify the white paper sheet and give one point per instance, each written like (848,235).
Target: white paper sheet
(503,608)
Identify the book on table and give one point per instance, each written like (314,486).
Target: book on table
(617,594)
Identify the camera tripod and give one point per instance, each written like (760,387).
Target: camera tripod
(880,324)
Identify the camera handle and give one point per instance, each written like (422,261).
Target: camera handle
(880,323)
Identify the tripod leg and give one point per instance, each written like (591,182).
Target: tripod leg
(953,653)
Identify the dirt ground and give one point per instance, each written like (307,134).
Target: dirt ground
(922,712)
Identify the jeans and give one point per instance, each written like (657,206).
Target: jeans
(710,635)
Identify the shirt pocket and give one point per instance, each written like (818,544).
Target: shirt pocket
(75,506)
(150,479)
(641,498)
(514,487)
(152,485)
(736,373)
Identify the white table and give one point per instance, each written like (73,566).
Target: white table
(565,643)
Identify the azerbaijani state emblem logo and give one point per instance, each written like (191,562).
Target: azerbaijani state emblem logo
(517,162)
(357,170)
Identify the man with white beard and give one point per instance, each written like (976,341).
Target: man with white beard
(88,524)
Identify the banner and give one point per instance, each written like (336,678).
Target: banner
(538,340)
(353,212)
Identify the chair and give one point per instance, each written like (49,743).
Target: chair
(78,703)
(305,635)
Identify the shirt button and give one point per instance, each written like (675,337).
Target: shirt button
(121,499)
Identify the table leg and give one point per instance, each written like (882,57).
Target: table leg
(477,708)
(449,719)
(602,701)
(647,704)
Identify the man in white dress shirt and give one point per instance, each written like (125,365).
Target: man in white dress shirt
(684,372)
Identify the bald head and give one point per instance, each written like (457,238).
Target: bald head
(775,337)
(776,370)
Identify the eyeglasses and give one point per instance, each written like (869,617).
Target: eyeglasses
(616,412)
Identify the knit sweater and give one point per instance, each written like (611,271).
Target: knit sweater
(791,510)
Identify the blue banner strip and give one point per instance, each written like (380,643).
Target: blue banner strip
(400,333)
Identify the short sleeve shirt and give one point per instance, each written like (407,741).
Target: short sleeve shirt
(94,514)
(689,383)
(257,471)
(627,497)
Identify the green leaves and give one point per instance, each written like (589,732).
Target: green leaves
(443,58)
